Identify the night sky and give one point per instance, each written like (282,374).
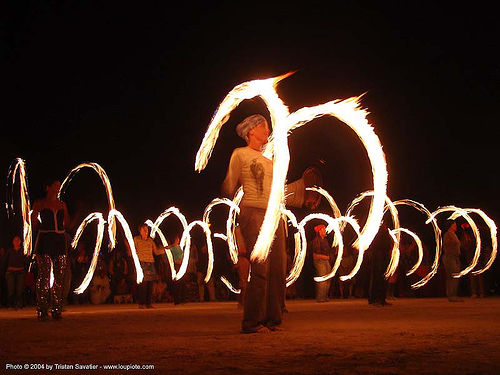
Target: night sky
(133,88)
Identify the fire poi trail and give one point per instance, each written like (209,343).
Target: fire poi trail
(283,123)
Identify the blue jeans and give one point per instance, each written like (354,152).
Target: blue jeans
(322,267)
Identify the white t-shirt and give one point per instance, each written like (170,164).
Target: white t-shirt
(250,169)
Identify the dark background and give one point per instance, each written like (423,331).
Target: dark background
(133,88)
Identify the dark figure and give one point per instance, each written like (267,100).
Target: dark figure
(178,286)
(201,271)
(3,282)
(451,261)
(15,274)
(468,248)
(50,216)
(118,269)
(378,259)
(321,258)
(80,265)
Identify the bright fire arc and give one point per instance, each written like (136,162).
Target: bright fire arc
(283,123)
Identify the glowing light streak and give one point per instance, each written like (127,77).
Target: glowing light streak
(100,233)
(279,112)
(283,123)
(437,238)
(19,165)
(347,111)
(332,225)
(186,244)
(106,183)
(300,248)
(456,211)
(233,206)
(229,285)
(231,226)
(394,261)
(493,234)
(156,228)
(331,202)
(51,277)
(393,232)
(115,214)
(164,242)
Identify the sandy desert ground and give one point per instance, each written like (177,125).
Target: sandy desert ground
(412,336)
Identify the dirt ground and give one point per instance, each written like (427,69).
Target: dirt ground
(413,336)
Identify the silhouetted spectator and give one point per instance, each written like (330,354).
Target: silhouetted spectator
(146,248)
(178,286)
(321,258)
(346,288)
(118,270)
(99,286)
(80,265)
(201,271)
(15,274)
(378,256)
(451,261)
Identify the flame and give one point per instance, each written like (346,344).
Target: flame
(393,233)
(186,244)
(229,285)
(19,165)
(107,185)
(437,238)
(100,233)
(115,214)
(394,261)
(283,122)
(456,211)
(493,234)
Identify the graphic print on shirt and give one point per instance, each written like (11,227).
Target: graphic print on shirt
(257,170)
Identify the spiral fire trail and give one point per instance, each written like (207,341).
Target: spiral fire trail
(283,123)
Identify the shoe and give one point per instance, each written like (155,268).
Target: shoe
(259,329)
(42,315)
(142,306)
(56,315)
(149,307)
(455,299)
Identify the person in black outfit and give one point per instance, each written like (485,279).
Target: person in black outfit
(50,216)
(378,257)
